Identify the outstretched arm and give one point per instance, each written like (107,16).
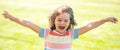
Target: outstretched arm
(95,24)
(22,22)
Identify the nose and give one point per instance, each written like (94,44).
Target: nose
(62,22)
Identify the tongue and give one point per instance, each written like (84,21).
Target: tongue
(61,27)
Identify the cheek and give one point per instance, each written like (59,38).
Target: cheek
(56,22)
(68,23)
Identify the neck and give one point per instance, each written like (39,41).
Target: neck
(62,32)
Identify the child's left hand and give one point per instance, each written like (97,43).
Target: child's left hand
(111,19)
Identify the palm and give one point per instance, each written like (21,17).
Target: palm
(6,15)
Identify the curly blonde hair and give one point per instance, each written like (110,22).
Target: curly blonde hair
(58,11)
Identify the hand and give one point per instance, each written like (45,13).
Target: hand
(111,19)
(6,15)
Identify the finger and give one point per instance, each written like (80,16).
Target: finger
(3,14)
(5,11)
(115,19)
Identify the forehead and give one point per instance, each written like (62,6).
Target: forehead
(63,16)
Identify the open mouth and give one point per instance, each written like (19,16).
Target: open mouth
(61,27)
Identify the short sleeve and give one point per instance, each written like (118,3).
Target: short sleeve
(75,33)
(42,32)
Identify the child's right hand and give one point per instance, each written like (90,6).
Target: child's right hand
(7,15)
(22,22)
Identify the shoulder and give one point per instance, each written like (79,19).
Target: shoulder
(76,29)
(44,30)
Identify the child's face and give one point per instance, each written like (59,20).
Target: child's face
(62,22)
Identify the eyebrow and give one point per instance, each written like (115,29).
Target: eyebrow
(64,18)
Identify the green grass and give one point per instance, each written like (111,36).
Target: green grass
(16,37)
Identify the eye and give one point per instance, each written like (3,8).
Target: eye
(59,20)
(66,21)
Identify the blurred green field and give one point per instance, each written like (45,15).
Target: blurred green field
(16,37)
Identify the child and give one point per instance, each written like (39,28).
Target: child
(61,32)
